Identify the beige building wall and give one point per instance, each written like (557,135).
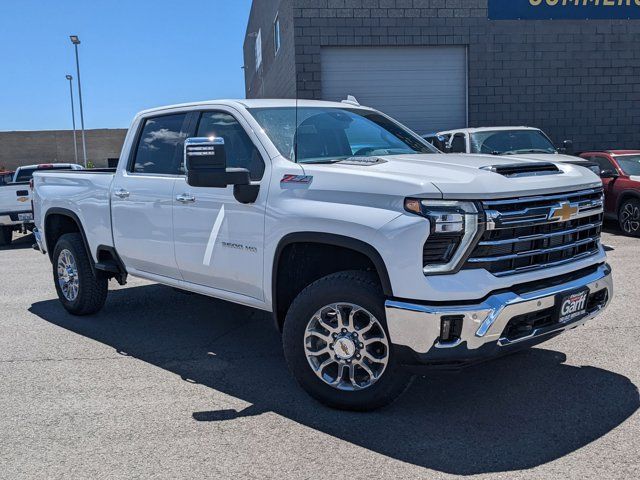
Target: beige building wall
(56,146)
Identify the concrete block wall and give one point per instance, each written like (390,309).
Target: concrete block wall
(56,146)
(576,80)
(275,78)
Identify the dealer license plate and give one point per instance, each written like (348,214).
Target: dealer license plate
(25,217)
(573,306)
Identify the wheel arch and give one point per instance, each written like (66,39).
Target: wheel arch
(625,195)
(61,221)
(363,254)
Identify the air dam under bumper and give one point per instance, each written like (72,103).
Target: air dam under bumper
(500,324)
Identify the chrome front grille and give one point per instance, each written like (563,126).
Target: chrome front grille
(530,233)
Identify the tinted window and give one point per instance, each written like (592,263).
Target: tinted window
(458,145)
(240,150)
(603,162)
(630,164)
(25,174)
(160,141)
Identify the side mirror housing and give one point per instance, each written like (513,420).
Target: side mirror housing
(609,174)
(567,147)
(205,162)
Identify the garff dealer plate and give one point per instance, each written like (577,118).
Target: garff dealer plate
(573,305)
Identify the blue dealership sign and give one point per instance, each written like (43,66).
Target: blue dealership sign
(563,9)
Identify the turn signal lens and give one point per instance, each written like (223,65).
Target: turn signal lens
(413,205)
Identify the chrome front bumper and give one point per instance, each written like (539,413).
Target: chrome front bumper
(417,326)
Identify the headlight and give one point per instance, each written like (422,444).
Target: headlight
(453,226)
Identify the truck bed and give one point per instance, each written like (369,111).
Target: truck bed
(84,194)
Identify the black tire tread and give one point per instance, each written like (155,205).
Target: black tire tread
(362,279)
(94,287)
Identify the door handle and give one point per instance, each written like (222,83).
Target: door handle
(185,198)
(121,193)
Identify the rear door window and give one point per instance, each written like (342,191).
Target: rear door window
(160,145)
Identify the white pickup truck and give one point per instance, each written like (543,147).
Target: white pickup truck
(525,142)
(15,200)
(379,256)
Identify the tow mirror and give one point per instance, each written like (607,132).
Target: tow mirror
(205,162)
(567,147)
(609,174)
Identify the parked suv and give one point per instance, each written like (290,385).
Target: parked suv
(620,173)
(378,255)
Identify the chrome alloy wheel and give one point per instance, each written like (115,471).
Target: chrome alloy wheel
(68,275)
(630,218)
(346,346)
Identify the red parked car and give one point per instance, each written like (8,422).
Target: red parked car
(620,173)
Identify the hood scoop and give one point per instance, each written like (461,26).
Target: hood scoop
(524,169)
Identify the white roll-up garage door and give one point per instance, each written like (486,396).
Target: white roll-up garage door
(423,87)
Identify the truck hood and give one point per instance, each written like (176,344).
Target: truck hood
(447,176)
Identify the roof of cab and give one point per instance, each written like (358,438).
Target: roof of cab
(256,103)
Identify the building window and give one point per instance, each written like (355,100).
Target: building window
(276,34)
(258,50)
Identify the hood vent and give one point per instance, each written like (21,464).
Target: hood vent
(524,169)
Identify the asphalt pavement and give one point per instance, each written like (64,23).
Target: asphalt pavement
(162,384)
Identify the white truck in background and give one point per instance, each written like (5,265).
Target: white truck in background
(525,142)
(378,256)
(16,213)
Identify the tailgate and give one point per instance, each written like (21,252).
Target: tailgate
(15,198)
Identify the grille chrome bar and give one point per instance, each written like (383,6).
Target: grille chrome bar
(542,198)
(536,215)
(531,253)
(531,233)
(541,236)
(538,266)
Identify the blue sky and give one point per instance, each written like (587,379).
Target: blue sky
(135,54)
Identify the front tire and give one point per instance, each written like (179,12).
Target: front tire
(81,291)
(337,345)
(629,217)
(6,235)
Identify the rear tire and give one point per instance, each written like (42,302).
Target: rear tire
(629,217)
(358,370)
(81,290)
(6,236)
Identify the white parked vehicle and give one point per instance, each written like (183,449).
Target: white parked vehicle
(525,142)
(15,200)
(378,255)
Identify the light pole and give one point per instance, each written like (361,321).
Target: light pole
(76,41)
(73,117)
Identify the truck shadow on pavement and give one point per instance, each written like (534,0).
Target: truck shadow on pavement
(510,414)
(20,242)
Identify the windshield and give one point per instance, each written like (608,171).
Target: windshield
(327,135)
(630,164)
(511,142)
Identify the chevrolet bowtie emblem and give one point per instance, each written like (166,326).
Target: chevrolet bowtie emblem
(563,213)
